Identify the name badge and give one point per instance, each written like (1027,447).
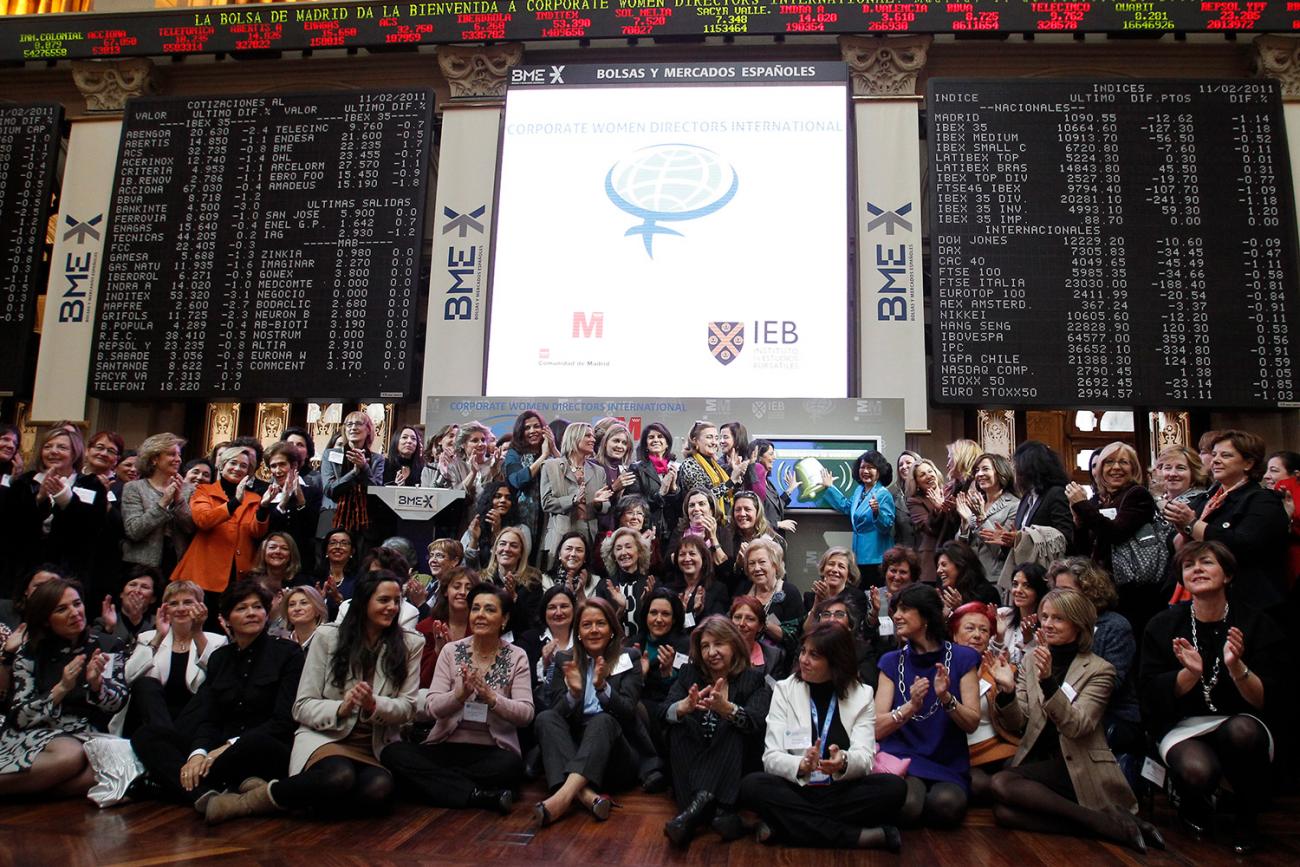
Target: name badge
(1109,513)
(4,481)
(885,626)
(86,495)
(680,659)
(985,686)
(1070,692)
(508,637)
(112,497)
(624,664)
(335,457)
(798,740)
(1153,771)
(476,711)
(690,620)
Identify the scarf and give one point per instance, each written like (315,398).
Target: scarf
(717,481)
(660,464)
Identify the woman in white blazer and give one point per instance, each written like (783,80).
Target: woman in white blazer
(170,662)
(359,686)
(818,788)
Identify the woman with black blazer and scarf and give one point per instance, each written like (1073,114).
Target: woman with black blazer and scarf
(587,730)
(818,788)
(1040,483)
(655,472)
(1213,686)
(1245,517)
(716,707)
(54,510)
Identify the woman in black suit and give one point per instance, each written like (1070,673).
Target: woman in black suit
(55,510)
(1245,517)
(661,635)
(586,733)
(1041,481)
(713,715)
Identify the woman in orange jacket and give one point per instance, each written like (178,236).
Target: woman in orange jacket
(227,528)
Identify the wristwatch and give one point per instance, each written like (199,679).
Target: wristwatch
(951,703)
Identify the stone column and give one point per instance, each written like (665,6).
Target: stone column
(462,224)
(63,363)
(891,285)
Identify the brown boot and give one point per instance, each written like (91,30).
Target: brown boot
(225,807)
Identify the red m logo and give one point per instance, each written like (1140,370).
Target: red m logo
(589,325)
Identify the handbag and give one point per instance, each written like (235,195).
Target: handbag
(1142,558)
(115,765)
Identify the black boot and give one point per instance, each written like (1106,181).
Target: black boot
(499,800)
(680,829)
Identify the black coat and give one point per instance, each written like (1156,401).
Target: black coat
(245,692)
(1267,655)
(1051,510)
(69,543)
(748,690)
(1096,536)
(298,522)
(1254,526)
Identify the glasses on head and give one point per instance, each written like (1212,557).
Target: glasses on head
(834,615)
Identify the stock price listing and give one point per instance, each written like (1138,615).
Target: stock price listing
(300,26)
(265,247)
(1112,243)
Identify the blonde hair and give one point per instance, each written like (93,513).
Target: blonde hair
(1200,478)
(773,550)
(940,479)
(370,428)
(229,453)
(313,596)
(616,427)
(526,576)
(573,434)
(1124,450)
(180,588)
(642,550)
(153,448)
(1074,607)
(964,454)
(855,575)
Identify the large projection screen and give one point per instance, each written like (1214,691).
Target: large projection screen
(686,240)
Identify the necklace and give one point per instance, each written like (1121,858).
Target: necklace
(1207,686)
(902,687)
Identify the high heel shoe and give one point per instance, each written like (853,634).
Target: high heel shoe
(1150,834)
(542,815)
(499,800)
(1129,832)
(601,806)
(680,829)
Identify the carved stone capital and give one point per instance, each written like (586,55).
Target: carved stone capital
(884,65)
(479,73)
(1278,57)
(997,431)
(106,85)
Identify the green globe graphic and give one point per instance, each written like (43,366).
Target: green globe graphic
(669,182)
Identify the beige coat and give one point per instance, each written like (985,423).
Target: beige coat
(317,705)
(559,484)
(1098,781)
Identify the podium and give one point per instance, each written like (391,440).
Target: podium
(412,512)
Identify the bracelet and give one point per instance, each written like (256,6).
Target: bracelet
(1245,673)
(951,703)
(896,716)
(1187,530)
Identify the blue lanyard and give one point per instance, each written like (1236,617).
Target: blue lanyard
(826,726)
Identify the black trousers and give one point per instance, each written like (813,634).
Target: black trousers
(828,816)
(164,751)
(701,765)
(592,746)
(446,774)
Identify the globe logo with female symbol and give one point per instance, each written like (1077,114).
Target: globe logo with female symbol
(669,183)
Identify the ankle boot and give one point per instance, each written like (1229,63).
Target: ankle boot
(499,800)
(680,829)
(257,802)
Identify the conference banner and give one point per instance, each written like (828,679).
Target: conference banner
(891,288)
(68,324)
(462,238)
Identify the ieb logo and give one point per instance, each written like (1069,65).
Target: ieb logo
(667,182)
(726,339)
(589,324)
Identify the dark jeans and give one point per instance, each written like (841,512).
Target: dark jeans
(446,774)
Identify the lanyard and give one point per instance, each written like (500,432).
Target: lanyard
(826,726)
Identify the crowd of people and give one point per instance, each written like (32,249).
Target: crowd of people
(600,613)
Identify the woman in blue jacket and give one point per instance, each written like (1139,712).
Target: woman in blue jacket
(870,511)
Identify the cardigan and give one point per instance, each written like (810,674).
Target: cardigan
(514,706)
(319,698)
(789,726)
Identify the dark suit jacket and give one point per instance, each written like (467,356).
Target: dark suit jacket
(621,703)
(748,689)
(1051,510)
(1254,526)
(70,542)
(228,705)
(300,523)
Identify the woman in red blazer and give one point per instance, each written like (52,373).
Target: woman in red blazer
(227,528)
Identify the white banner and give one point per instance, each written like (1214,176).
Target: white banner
(68,328)
(891,286)
(467,168)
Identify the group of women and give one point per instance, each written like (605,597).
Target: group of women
(657,639)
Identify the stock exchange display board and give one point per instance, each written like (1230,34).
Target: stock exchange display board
(374,25)
(1112,243)
(29,149)
(265,247)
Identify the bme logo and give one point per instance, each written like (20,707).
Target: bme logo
(589,325)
